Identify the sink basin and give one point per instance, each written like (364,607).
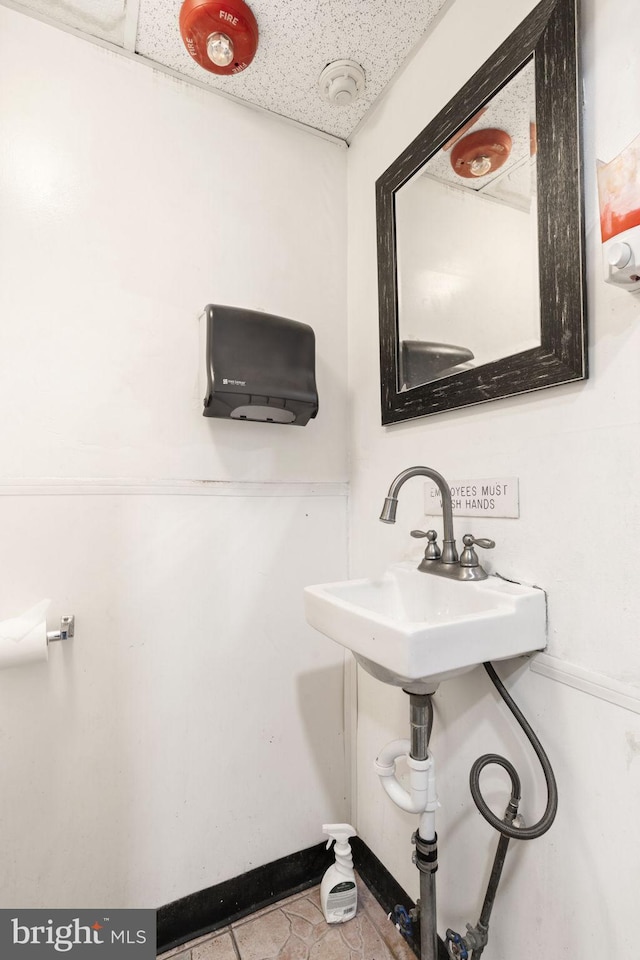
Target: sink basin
(414,629)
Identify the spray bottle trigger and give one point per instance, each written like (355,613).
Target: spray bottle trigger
(340,832)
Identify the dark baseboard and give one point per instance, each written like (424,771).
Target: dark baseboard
(209,910)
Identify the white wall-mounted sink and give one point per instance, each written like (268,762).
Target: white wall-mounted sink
(414,629)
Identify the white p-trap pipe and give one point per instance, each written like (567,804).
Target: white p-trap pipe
(421,796)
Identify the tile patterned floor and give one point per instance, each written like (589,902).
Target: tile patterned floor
(295,929)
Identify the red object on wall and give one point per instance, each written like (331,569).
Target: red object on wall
(225,28)
(619,191)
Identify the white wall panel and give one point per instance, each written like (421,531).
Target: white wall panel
(130,200)
(193,729)
(574,449)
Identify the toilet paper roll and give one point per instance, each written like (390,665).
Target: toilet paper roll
(23,639)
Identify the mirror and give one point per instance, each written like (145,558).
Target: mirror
(480,234)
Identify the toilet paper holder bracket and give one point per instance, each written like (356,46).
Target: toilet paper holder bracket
(67,629)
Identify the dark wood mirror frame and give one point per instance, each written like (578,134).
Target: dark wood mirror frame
(549,34)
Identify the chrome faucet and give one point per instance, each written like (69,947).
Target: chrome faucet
(445,563)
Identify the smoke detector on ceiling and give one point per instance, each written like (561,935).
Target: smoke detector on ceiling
(342,82)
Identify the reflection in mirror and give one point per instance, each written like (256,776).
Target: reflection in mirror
(421,361)
(467,243)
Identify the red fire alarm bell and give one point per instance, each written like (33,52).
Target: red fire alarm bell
(221,36)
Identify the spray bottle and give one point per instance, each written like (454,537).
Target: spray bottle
(338,891)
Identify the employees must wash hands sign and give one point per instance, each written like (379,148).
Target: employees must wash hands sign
(476,498)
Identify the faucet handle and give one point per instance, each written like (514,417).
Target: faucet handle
(469,557)
(432,551)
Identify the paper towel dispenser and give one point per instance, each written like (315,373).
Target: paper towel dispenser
(259,367)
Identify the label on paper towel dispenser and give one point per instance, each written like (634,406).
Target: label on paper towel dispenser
(476,498)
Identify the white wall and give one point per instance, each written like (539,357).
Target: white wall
(193,729)
(575,450)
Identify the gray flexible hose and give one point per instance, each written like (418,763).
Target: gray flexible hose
(543,824)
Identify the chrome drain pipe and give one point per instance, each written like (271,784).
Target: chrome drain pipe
(420,799)
(425,838)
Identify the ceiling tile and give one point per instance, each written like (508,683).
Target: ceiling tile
(298,38)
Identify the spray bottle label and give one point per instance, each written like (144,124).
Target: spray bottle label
(342,900)
(342,887)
